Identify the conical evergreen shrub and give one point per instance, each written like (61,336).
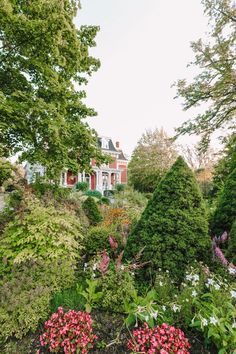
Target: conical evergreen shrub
(231,252)
(92,211)
(225,213)
(173,228)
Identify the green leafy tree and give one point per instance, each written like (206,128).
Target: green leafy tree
(172,230)
(44,59)
(152,157)
(215,85)
(92,211)
(225,213)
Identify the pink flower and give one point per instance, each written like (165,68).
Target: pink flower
(113,242)
(104,264)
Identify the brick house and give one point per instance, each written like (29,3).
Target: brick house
(102,178)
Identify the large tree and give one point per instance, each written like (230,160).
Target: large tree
(215,86)
(43,60)
(153,156)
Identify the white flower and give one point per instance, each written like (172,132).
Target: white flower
(163,307)
(204,322)
(154,314)
(232,270)
(93,275)
(233,293)
(122,267)
(189,277)
(210,281)
(194,293)
(146,318)
(234,325)
(216,286)
(95,266)
(85,265)
(187,300)
(195,277)
(213,320)
(176,308)
(161,284)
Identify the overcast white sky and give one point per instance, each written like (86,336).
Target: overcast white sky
(144,46)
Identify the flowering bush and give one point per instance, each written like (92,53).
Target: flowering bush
(70,331)
(162,339)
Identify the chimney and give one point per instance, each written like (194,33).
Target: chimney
(117,144)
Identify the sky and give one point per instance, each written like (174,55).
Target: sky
(144,47)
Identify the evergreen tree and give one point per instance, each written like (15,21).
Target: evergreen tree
(173,227)
(231,254)
(225,213)
(92,211)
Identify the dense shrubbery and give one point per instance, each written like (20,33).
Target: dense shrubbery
(173,228)
(6,171)
(39,248)
(225,213)
(231,252)
(40,232)
(97,239)
(92,211)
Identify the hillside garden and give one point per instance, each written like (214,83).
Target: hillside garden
(80,274)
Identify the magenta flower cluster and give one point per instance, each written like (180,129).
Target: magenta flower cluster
(162,339)
(69,332)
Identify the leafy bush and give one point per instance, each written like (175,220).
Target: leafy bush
(6,171)
(97,239)
(116,288)
(40,233)
(25,295)
(92,211)
(70,331)
(120,187)
(43,188)
(160,340)
(172,230)
(226,207)
(82,186)
(93,193)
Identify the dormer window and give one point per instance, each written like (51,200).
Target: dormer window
(105,143)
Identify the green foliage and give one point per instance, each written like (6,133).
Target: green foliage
(97,239)
(42,112)
(67,299)
(225,212)
(25,295)
(142,309)
(116,288)
(82,186)
(93,193)
(90,294)
(226,164)
(92,211)
(173,228)
(231,255)
(40,233)
(120,187)
(156,151)
(6,171)
(43,188)
(214,86)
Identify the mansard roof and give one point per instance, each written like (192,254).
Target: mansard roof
(111,147)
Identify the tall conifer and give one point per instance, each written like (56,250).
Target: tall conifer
(173,228)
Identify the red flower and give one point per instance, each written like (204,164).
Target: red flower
(70,331)
(162,339)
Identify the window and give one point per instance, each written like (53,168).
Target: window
(105,143)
